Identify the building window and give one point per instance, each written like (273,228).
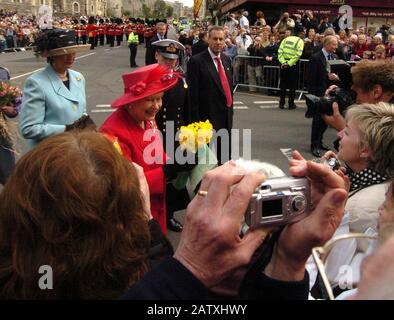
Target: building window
(75,7)
(92,9)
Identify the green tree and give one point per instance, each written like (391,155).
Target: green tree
(146,11)
(126,13)
(159,9)
(170,11)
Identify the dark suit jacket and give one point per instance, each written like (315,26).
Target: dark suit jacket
(198,47)
(150,51)
(318,80)
(206,95)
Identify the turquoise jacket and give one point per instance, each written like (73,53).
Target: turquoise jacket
(48,105)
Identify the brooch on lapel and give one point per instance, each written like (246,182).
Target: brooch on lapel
(78,78)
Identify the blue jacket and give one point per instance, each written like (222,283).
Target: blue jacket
(48,105)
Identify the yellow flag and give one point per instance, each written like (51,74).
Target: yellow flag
(197,5)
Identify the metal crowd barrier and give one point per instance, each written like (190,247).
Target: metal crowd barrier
(256,73)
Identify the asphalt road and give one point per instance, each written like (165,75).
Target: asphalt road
(271,128)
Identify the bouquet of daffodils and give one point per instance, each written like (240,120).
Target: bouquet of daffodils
(9,96)
(195,138)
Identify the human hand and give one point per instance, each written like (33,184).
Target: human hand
(330,89)
(336,120)
(9,111)
(328,197)
(144,188)
(210,245)
(333,76)
(284,66)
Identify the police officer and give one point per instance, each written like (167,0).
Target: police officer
(289,53)
(133,45)
(174,113)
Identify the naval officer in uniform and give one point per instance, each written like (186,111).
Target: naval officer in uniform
(175,112)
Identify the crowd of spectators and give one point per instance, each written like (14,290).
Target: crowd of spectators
(357,44)
(243,36)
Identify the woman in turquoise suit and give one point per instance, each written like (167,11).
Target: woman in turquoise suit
(54,98)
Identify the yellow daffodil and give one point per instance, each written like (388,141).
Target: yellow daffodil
(195,135)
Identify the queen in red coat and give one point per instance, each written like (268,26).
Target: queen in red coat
(132,128)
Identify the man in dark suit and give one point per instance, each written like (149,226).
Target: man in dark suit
(318,82)
(173,114)
(161,29)
(210,89)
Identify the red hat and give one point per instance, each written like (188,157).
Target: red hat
(144,82)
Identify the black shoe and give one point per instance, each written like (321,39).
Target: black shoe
(293,106)
(316,152)
(324,147)
(281,105)
(174,225)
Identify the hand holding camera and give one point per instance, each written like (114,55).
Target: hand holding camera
(328,194)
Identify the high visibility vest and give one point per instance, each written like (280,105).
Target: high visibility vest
(133,38)
(290,50)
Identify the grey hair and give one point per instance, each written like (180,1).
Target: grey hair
(215,28)
(329,39)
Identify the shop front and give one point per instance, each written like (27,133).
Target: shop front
(367,13)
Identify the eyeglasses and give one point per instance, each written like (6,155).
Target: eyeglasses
(340,258)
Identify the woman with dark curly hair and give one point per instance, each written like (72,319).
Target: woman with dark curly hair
(54,98)
(74,204)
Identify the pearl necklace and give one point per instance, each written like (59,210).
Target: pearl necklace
(63,77)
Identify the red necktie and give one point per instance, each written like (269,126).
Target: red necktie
(224,82)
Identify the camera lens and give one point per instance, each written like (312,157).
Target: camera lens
(298,204)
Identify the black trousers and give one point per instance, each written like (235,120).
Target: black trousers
(119,39)
(288,80)
(84,38)
(101,38)
(111,40)
(92,42)
(318,129)
(133,54)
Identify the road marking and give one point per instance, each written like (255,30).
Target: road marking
(102,110)
(241,107)
(267,107)
(86,55)
(265,102)
(276,107)
(27,73)
(238,102)
(103,105)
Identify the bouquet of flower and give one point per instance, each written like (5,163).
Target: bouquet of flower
(11,97)
(195,138)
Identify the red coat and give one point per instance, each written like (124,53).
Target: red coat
(130,138)
(91,30)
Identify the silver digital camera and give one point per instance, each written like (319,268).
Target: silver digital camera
(279,201)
